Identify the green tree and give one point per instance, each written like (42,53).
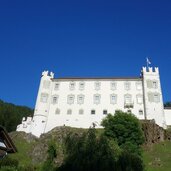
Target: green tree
(167,104)
(90,152)
(11,115)
(126,129)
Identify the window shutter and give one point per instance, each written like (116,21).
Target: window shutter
(149,84)
(150,97)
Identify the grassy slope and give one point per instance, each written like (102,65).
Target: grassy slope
(23,149)
(158,157)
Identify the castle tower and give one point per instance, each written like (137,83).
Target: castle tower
(42,104)
(153,100)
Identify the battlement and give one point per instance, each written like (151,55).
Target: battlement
(47,74)
(150,70)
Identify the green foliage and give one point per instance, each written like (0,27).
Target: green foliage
(13,163)
(11,115)
(89,152)
(49,163)
(130,162)
(125,129)
(8,168)
(167,104)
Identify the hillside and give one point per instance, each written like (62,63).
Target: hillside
(158,157)
(35,149)
(32,152)
(11,115)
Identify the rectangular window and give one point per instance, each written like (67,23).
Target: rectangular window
(96,99)
(113,98)
(80,99)
(113,85)
(139,99)
(54,100)
(140,112)
(129,111)
(128,99)
(97,85)
(56,86)
(127,85)
(156,98)
(155,84)
(81,85)
(93,112)
(104,112)
(72,86)
(70,99)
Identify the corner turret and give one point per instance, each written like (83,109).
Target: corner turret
(42,104)
(153,100)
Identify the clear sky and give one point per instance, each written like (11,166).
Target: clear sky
(80,38)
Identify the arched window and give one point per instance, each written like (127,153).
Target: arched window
(81,111)
(57,112)
(69,112)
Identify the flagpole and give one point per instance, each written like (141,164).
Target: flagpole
(147,63)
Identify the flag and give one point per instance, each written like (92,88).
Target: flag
(148,61)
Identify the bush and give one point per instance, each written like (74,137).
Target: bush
(125,129)
(8,162)
(89,152)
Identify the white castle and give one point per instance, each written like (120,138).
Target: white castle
(83,102)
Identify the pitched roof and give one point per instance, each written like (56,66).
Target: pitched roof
(6,143)
(98,78)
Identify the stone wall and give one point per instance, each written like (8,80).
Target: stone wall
(152,132)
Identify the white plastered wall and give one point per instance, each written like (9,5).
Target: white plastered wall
(85,120)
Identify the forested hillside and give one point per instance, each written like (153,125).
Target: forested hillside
(11,115)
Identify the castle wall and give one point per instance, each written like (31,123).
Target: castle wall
(83,102)
(85,120)
(167,112)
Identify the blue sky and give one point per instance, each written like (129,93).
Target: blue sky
(80,38)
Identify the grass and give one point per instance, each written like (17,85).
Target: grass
(22,155)
(158,157)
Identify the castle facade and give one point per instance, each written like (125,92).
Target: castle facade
(83,102)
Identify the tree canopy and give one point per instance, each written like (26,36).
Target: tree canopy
(11,115)
(167,104)
(125,129)
(90,151)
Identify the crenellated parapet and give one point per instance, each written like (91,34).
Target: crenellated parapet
(47,74)
(150,70)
